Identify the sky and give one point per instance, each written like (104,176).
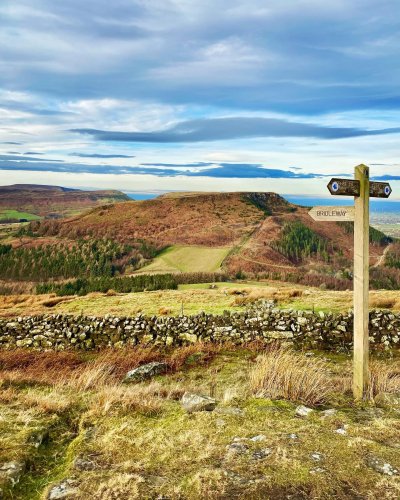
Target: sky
(148,96)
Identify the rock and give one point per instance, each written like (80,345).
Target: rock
(146,371)
(196,402)
(230,410)
(303,411)
(329,413)
(293,436)
(238,447)
(381,466)
(65,489)
(11,471)
(261,454)
(341,431)
(258,438)
(38,438)
(81,463)
(317,470)
(388,400)
(316,456)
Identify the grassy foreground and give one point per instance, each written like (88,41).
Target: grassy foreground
(68,417)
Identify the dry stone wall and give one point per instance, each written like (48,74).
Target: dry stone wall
(304,328)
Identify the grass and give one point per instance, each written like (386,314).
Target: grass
(140,443)
(280,374)
(192,299)
(15,214)
(180,258)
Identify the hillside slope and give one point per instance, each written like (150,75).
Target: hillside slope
(54,201)
(208,219)
(256,232)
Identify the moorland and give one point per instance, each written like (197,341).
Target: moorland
(279,421)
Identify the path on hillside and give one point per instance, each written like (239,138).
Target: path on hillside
(267,264)
(381,259)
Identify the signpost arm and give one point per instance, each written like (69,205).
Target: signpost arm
(361,284)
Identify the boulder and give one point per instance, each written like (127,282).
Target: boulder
(196,402)
(381,466)
(65,489)
(11,471)
(146,371)
(303,411)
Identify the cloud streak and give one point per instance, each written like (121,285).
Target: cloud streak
(198,169)
(220,129)
(98,155)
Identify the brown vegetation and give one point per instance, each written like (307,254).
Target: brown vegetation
(53,200)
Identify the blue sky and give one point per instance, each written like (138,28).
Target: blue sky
(210,95)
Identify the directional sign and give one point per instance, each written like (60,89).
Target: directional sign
(351,187)
(332,213)
(344,187)
(379,189)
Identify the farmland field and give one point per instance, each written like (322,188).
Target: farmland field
(180,258)
(15,214)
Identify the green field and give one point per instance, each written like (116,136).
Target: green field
(15,214)
(179,258)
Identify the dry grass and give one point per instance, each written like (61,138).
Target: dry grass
(384,377)
(116,399)
(47,402)
(247,296)
(82,373)
(283,374)
(382,302)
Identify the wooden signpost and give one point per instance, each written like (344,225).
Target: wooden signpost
(362,189)
(332,213)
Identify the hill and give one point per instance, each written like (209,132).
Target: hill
(233,232)
(30,201)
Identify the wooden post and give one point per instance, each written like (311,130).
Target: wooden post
(362,189)
(361,284)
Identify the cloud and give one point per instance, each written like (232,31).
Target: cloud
(12,143)
(33,153)
(197,169)
(25,159)
(303,56)
(163,74)
(98,155)
(386,178)
(177,165)
(217,129)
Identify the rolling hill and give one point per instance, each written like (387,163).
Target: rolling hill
(30,201)
(234,232)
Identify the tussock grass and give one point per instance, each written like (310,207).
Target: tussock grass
(83,372)
(283,374)
(46,402)
(121,399)
(247,296)
(382,302)
(383,377)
